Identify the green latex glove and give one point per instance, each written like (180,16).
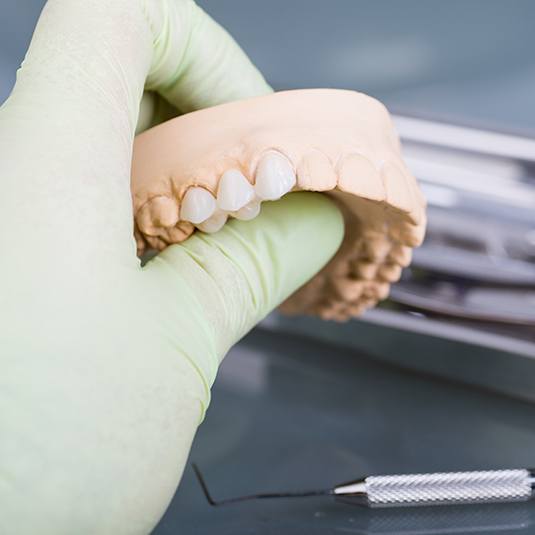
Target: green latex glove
(105,367)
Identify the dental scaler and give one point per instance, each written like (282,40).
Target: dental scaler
(441,488)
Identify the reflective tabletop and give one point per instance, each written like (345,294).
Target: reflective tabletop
(291,413)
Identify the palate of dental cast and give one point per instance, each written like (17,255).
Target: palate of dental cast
(197,206)
(234,191)
(274,177)
(332,141)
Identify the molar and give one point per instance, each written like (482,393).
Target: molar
(144,221)
(164,211)
(198,205)
(349,290)
(332,311)
(234,191)
(156,243)
(159,212)
(365,270)
(401,255)
(383,289)
(274,176)
(179,232)
(368,302)
(140,240)
(413,235)
(375,248)
(356,309)
(390,272)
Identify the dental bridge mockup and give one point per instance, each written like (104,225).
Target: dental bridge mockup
(200,169)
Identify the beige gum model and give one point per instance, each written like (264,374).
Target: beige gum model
(199,169)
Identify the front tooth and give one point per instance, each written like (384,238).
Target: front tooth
(274,176)
(234,191)
(248,212)
(398,193)
(359,176)
(214,223)
(198,205)
(315,172)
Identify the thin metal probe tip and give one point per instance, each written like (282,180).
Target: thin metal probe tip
(272,495)
(202,483)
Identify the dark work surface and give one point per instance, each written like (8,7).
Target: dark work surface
(289,413)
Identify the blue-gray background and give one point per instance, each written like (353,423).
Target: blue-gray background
(470,61)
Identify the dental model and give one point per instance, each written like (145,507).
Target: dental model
(196,171)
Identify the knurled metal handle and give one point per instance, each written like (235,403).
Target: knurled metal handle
(453,487)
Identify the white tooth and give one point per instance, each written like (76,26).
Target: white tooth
(248,212)
(234,191)
(197,206)
(274,176)
(214,223)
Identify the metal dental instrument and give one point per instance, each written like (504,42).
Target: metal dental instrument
(442,488)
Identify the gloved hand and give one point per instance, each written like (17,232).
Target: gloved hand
(105,367)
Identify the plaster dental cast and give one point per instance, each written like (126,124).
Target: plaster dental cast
(198,170)
(106,366)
